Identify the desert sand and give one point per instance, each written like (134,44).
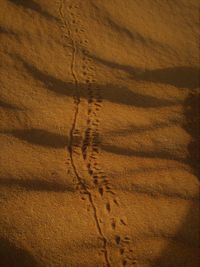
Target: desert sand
(99,133)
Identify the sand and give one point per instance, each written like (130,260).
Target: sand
(99,133)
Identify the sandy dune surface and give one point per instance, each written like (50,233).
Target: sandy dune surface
(99,133)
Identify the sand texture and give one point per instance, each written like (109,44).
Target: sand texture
(99,133)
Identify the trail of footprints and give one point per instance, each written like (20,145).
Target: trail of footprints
(87,145)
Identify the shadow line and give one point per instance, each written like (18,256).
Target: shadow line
(36,185)
(192,126)
(175,255)
(112,93)
(7,31)
(190,228)
(157,193)
(143,154)
(11,255)
(135,129)
(6,105)
(40,137)
(180,76)
(122,30)
(33,6)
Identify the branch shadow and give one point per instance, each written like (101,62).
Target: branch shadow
(143,154)
(190,229)
(3,30)
(122,95)
(40,137)
(180,76)
(176,253)
(11,255)
(133,35)
(7,105)
(52,83)
(112,93)
(36,185)
(157,192)
(192,126)
(135,129)
(33,6)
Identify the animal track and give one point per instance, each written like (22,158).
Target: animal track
(108,207)
(84,144)
(123,222)
(76,142)
(117,239)
(113,223)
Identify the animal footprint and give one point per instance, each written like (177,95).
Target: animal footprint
(101,191)
(108,207)
(117,239)
(113,224)
(123,221)
(126,239)
(95,181)
(121,251)
(116,202)
(124,262)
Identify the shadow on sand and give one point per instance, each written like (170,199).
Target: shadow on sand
(40,137)
(34,7)
(10,255)
(112,93)
(178,255)
(183,76)
(180,76)
(37,185)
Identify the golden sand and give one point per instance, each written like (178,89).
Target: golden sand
(99,108)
